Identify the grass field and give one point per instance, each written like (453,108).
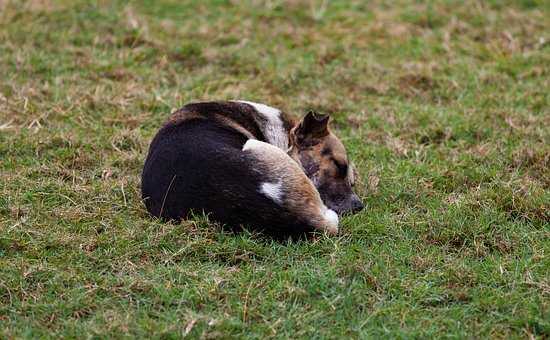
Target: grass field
(444,107)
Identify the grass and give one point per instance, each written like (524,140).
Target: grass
(444,106)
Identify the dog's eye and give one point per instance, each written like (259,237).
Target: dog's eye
(342,168)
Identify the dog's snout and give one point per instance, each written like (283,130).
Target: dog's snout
(351,206)
(356,205)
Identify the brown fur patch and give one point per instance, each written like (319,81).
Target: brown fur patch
(327,153)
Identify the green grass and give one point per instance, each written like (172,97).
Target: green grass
(444,107)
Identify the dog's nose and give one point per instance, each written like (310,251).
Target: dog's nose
(356,205)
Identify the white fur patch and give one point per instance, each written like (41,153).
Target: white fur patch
(274,130)
(252,144)
(273,191)
(332,218)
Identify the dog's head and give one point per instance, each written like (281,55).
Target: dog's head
(325,161)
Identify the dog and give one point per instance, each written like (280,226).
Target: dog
(249,164)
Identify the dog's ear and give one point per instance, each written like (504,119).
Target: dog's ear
(311,129)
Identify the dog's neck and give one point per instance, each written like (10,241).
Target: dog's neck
(274,124)
(276,127)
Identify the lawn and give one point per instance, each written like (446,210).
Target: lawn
(444,107)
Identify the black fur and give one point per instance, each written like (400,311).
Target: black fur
(198,165)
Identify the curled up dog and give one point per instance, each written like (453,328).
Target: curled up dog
(250,164)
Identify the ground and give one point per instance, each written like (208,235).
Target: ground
(443,106)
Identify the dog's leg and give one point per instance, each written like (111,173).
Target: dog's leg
(288,186)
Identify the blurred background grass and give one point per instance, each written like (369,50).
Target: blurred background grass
(443,106)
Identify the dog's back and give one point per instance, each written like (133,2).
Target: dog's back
(196,162)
